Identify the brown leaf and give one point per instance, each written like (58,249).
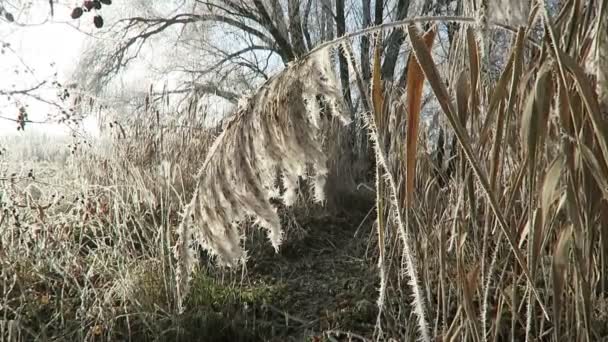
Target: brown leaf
(474,68)
(548,194)
(432,74)
(512,72)
(535,113)
(462,96)
(560,258)
(415,83)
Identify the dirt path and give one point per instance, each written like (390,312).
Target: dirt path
(328,277)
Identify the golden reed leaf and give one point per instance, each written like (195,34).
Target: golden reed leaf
(415,83)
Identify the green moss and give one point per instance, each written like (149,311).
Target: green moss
(206,291)
(224,312)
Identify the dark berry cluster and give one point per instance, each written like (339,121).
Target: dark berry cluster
(89,6)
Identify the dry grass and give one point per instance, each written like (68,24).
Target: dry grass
(86,238)
(508,240)
(514,247)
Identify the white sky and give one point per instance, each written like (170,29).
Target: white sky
(45,49)
(60,41)
(49,48)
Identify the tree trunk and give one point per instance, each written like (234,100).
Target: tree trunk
(328,19)
(379,12)
(305,29)
(285,49)
(295,28)
(344,73)
(278,17)
(393,43)
(365,44)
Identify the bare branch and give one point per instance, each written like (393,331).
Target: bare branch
(154,26)
(211,88)
(22,91)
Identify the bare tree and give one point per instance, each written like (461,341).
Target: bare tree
(263,34)
(227,48)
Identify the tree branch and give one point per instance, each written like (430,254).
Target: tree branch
(210,88)
(22,91)
(155,26)
(287,52)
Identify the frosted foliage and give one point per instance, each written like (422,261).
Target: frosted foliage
(510,12)
(277,129)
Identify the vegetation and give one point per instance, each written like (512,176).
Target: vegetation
(499,233)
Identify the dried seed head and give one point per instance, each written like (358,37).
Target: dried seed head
(88,5)
(98,21)
(76,13)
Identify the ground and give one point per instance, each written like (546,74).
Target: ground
(69,275)
(320,286)
(328,276)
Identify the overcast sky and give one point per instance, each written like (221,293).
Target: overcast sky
(36,52)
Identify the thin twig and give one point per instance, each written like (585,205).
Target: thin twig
(404,22)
